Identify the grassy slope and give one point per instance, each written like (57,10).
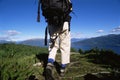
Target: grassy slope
(16,63)
(80,66)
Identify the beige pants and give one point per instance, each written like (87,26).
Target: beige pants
(59,39)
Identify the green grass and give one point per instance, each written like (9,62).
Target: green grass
(16,63)
(80,65)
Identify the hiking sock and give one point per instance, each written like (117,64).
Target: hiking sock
(63,65)
(62,70)
(50,60)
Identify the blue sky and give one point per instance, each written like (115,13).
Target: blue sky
(92,18)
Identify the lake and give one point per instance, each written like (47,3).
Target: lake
(116,49)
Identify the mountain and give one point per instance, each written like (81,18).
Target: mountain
(4,41)
(40,42)
(111,41)
(77,39)
(33,42)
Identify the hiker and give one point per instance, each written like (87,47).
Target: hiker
(58,21)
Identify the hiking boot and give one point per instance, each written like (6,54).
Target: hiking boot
(62,72)
(49,72)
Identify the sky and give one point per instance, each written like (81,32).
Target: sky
(90,18)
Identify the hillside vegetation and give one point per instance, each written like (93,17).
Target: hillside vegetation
(18,62)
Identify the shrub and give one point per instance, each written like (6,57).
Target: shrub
(81,51)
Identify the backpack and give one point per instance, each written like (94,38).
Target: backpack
(54,9)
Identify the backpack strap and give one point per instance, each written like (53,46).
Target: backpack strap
(69,7)
(46,32)
(38,16)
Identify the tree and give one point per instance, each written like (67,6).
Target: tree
(81,51)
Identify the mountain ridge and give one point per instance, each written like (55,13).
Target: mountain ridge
(111,41)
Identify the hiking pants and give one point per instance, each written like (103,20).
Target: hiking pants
(60,39)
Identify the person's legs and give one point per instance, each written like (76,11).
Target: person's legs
(65,44)
(53,44)
(65,47)
(53,47)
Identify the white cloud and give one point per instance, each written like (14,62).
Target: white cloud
(9,35)
(76,35)
(25,37)
(117,29)
(79,35)
(100,31)
(12,32)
